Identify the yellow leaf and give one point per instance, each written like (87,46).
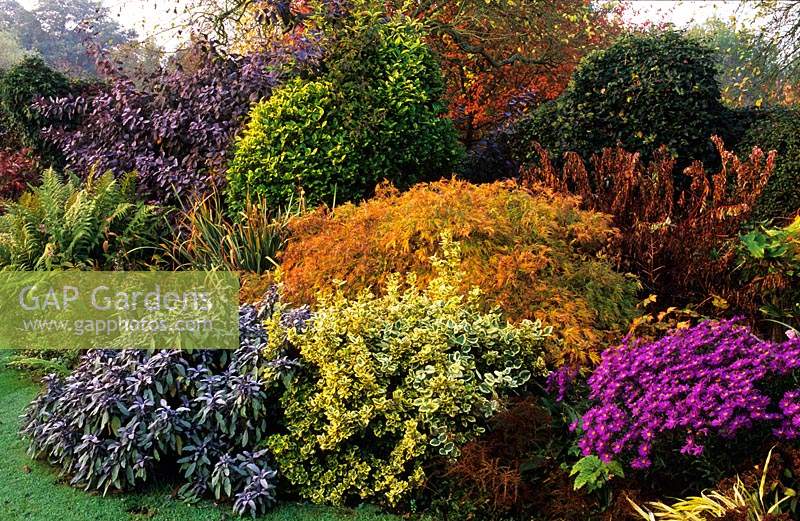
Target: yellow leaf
(719,302)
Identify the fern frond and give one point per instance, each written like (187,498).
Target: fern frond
(66,224)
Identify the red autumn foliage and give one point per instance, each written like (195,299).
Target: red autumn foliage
(18,168)
(493,52)
(675,237)
(491,468)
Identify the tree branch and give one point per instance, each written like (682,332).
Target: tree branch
(464,44)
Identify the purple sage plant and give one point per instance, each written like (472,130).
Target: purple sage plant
(123,416)
(174,129)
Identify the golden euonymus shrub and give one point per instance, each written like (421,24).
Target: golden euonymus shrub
(533,253)
(391,383)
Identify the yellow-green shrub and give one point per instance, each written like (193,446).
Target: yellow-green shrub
(391,382)
(535,254)
(377,113)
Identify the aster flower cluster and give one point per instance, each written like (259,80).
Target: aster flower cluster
(708,380)
(790,416)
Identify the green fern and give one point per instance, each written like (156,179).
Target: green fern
(63,223)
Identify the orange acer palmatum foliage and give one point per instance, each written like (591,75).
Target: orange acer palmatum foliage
(535,254)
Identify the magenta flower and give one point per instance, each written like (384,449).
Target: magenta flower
(694,383)
(560,381)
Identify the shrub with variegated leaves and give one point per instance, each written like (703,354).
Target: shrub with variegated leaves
(391,382)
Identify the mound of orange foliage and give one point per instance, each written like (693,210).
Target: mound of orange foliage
(533,253)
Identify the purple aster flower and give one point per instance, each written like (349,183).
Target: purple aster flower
(693,383)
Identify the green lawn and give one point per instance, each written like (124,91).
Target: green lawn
(31,490)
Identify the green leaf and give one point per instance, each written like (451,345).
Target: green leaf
(115,424)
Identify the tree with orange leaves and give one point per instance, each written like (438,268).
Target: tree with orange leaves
(498,52)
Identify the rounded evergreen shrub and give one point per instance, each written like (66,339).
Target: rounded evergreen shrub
(20,86)
(777,129)
(646,90)
(376,114)
(535,254)
(295,139)
(541,125)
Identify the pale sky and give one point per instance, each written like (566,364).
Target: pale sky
(685,13)
(147,17)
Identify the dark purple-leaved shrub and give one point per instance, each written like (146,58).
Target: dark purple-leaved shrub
(489,160)
(175,127)
(495,157)
(124,416)
(714,380)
